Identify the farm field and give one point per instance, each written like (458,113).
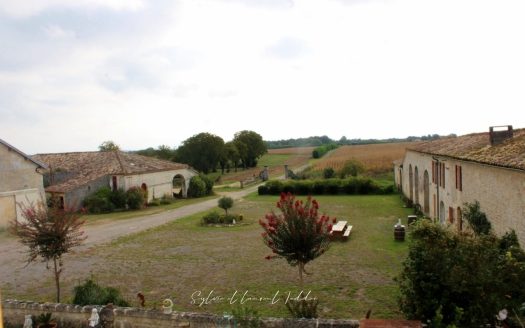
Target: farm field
(183,260)
(377,158)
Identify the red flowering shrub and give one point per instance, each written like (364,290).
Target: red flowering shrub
(298,234)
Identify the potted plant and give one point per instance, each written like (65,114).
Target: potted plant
(45,320)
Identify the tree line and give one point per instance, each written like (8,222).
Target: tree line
(206,152)
(317,141)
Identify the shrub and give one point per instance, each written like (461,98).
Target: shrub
(165,201)
(303,308)
(328,173)
(197,187)
(332,186)
(298,234)
(470,278)
(262,190)
(225,203)
(211,218)
(476,219)
(246,317)
(90,293)
(351,168)
(118,198)
(96,204)
(274,187)
(209,184)
(136,198)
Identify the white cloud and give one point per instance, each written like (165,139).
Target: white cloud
(145,75)
(28,8)
(58,33)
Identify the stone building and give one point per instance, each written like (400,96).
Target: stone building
(442,175)
(20,182)
(71,177)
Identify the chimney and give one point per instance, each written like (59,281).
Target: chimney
(498,134)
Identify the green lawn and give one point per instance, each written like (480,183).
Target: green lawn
(183,258)
(99,218)
(273,159)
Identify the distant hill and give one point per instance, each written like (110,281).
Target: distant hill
(323,140)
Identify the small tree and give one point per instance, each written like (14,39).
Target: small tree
(477,220)
(108,146)
(298,234)
(328,173)
(49,234)
(225,203)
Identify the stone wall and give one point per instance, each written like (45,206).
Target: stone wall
(77,316)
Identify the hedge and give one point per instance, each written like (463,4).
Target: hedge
(350,186)
(320,151)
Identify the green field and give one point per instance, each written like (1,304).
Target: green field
(183,258)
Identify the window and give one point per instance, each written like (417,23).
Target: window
(459,178)
(433,172)
(114,183)
(442,174)
(451,215)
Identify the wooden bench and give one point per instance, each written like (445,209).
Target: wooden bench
(347,232)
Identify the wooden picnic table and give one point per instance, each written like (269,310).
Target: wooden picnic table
(341,230)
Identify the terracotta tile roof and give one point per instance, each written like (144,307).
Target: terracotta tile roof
(476,148)
(21,153)
(83,167)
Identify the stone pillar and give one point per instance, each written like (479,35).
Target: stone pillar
(107,317)
(285,171)
(265,173)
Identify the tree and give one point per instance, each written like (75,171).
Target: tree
(202,151)
(461,277)
(250,146)
(328,173)
(48,234)
(225,203)
(165,152)
(231,154)
(298,234)
(108,146)
(352,167)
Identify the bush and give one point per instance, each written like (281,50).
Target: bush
(211,218)
(328,173)
(209,184)
(263,190)
(303,308)
(90,293)
(165,201)
(351,168)
(136,198)
(216,218)
(197,187)
(476,219)
(470,277)
(96,204)
(118,198)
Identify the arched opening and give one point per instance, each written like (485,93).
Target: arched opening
(179,186)
(426,196)
(460,219)
(416,184)
(144,188)
(410,183)
(441,212)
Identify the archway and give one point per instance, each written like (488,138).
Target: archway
(410,183)
(179,186)
(441,212)
(416,184)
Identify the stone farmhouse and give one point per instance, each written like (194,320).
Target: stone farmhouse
(71,177)
(21,182)
(441,175)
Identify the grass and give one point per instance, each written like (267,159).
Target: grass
(100,218)
(181,259)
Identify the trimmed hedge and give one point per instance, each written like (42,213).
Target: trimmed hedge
(350,186)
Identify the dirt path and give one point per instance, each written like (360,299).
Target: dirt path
(12,257)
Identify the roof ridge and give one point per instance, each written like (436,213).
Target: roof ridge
(117,155)
(24,155)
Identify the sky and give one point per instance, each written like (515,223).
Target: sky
(147,73)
